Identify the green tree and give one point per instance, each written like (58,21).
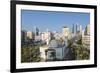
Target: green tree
(79,50)
(30,53)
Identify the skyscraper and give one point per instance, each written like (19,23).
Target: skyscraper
(37,31)
(78,29)
(73,29)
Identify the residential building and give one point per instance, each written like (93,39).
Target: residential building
(46,36)
(56,50)
(30,35)
(66,33)
(86,36)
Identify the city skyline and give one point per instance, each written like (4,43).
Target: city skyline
(51,19)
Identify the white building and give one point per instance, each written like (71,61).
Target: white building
(58,48)
(55,51)
(58,35)
(86,36)
(46,36)
(30,35)
(42,52)
(37,38)
(86,40)
(66,33)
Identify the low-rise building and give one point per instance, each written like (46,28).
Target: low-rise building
(55,51)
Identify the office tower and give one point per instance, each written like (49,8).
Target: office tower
(73,29)
(37,32)
(77,28)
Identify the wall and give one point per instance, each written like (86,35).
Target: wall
(5,37)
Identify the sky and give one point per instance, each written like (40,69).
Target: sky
(52,20)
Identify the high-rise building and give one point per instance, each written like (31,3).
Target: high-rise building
(86,36)
(73,29)
(66,32)
(37,32)
(78,29)
(23,36)
(87,30)
(46,36)
(30,35)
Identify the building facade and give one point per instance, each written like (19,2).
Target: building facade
(46,37)
(55,51)
(23,36)
(86,36)
(66,33)
(87,30)
(30,35)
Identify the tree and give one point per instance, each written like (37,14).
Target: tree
(30,53)
(79,50)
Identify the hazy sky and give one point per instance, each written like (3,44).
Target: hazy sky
(52,20)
